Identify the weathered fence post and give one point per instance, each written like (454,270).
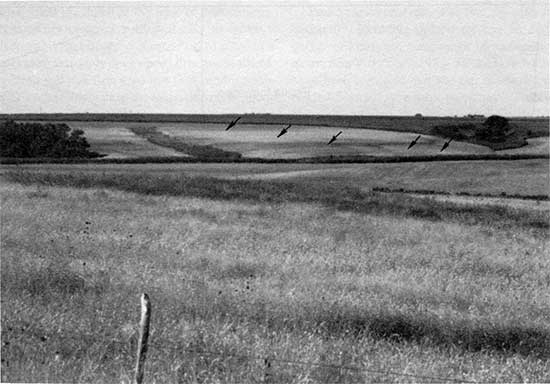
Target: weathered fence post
(143,336)
(267,370)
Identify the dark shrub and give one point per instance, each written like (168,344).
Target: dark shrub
(494,128)
(457,132)
(42,140)
(496,122)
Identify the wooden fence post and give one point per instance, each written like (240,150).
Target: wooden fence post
(143,336)
(267,370)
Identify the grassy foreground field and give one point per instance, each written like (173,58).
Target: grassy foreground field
(238,269)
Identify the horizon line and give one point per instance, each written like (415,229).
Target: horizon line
(265,113)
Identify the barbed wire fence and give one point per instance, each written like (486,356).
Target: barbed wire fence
(266,360)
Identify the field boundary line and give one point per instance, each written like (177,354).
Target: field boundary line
(360,159)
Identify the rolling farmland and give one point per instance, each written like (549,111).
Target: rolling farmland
(301,141)
(116,140)
(389,222)
(493,178)
(533,126)
(406,272)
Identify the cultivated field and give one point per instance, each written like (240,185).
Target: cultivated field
(119,142)
(240,270)
(260,140)
(532,126)
(301,141)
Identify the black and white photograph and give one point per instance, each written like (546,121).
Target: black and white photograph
(276,191)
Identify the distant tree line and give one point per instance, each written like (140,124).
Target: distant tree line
(23,140)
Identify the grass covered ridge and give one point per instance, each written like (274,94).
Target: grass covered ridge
(346,198)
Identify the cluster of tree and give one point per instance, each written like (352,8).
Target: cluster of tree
(493,129)
(42,140)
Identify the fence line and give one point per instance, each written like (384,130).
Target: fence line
(266,359)
(314,364)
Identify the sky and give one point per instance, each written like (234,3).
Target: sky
(438,58)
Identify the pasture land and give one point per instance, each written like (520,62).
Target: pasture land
(521,203)
(260,141)
(492,178)
(265,268)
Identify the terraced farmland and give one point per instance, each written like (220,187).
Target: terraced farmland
(301,141)
(260,141)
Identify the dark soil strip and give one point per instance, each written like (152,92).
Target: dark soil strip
(202,152)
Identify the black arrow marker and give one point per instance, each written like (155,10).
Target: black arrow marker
(285,130)
(414,142)
(334,138)
(232,123)
(446,144)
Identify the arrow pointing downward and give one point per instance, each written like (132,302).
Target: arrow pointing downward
(232,123)
(446,144)
(285,130)
(334,138)
(413,142)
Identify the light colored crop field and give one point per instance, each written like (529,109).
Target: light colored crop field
(234,280)
(303,141)
(518,177)
(119,142)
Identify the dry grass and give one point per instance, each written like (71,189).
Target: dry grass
(284,280)
(337,196)
(519,177)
